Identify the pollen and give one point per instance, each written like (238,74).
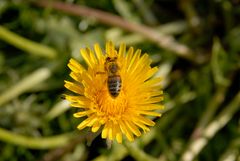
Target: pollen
(125,115)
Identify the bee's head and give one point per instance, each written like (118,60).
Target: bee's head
(111,59)
(111,64)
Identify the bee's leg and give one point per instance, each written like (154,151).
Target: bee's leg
(99,72)
(104,73)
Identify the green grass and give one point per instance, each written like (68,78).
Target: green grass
(200,67)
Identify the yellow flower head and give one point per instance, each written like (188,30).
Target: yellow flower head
(116,91)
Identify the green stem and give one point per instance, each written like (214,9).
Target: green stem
(25,44)
(211,109)
(58,153)
(221,120)
(232,151)
(25,84)
(191,15)
(35,143)
(120,151)
(171,28)
(57,109)
(164,41)
(217,54)
(137,153)
(167,151)
(145,12)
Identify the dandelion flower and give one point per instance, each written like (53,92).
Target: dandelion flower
(125,112)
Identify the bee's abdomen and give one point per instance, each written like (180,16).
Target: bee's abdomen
(114,85)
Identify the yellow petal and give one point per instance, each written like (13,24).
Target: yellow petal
(151,107)
(151,72)
(122,50)
(82,113)
(79,101)
(133,60)
(110,131)
(75,66)
(96,127)
(144,120)
(74,87)
(98,51)
(110,49)
(150,113)
(155,93)
(142,63)
(152,82)
(142,126)
(75,104)
(133,128)
(153,100)
(125,130)
(92,56)
(84,123)
(85,54)
(118,134)
(76,76)
(105,131)
(129,57)
(87,80)
(72,98)
(93,121)
(114,130)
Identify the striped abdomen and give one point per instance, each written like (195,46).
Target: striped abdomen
(114,85)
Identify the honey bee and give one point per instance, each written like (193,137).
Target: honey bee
(114,81)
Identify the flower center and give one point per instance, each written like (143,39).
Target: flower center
(109,106)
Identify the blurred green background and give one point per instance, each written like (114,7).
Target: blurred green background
(196,45)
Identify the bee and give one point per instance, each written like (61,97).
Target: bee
(114,81)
